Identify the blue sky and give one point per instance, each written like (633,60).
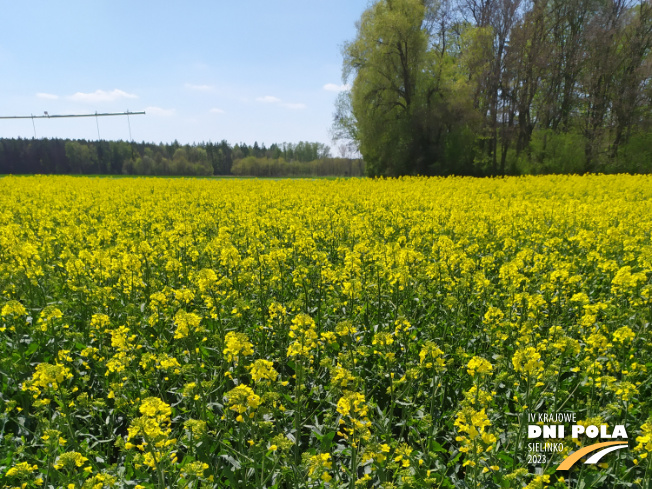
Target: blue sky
(249,70)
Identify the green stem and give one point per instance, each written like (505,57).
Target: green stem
(354,466)
(159,472)
(297,413)
(520,424)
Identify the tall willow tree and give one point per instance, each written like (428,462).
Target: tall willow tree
(410,107)
(390,63)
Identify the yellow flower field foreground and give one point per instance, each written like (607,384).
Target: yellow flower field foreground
(321,333)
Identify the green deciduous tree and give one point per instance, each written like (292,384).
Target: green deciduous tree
(81,157)
(388,59)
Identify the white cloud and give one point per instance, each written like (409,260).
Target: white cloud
(268,99)
(216,111)
(48,96)
(199,88)
(101,96)
(332,87)
(293,106)
(159,112)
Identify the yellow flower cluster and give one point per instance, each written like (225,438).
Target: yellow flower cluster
(14,308)
(474,424)
(47,376)
(480,366)
(432,356)
(241,398)
(402,453)
(153,427)
(70,460)
(237,344)
(528,361)
(645,440)
(186,322)
(353,409)
(303,332)
(154,423)
(262,370)
(319,465)
(21,470)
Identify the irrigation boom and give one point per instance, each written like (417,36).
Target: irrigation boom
(55,116)
(61,116)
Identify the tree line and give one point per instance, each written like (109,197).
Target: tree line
(494,87)
(64,156)
(280,167)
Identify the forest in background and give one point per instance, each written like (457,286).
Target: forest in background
(495,87)
(63,156)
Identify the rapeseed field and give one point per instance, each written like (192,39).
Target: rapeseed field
(322,333)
